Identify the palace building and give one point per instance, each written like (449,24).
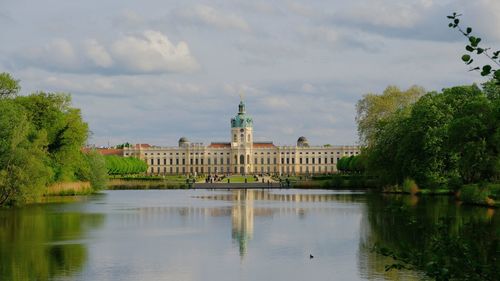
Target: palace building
(241,155)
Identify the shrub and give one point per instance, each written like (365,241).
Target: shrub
(410,186)
(475,194)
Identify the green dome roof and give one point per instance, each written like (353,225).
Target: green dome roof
(241,120)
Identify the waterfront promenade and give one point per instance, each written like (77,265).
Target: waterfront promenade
(253,185)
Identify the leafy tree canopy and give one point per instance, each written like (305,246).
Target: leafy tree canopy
(9,87)
(41,136)
(373,108)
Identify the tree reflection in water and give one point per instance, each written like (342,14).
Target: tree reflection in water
(40,243)
(434,235)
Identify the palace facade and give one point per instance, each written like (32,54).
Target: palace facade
(241,155)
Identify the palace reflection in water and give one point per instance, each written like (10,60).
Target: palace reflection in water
(243,210)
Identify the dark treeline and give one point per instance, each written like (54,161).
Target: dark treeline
(117,165)
(440,140)
(41,136)
(352,164)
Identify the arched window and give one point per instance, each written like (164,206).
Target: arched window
(248,138)
(242,159)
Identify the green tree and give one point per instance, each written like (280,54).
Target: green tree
(474,134)
(23,170)
(120,146)
(124,165)
(9,87)
(492,90)
(41,137)
(373,108)
(98,175)
(66,132)
(443,138)
(93,169)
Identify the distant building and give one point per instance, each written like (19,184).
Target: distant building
(104,151)
(242,155)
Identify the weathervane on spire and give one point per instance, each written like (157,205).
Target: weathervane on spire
(241,106)
(241,95)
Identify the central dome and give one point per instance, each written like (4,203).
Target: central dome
(241,120)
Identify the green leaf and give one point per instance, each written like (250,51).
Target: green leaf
(450,25)
(469,62)
(496,74)
(450,17)
(479,51)
(478,40)
(469,48)
(466,58)
(474,41)
(469,30)
(456,21)
(486,70)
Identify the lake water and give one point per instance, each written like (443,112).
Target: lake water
(221,235)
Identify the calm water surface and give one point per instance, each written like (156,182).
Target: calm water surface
(216,235)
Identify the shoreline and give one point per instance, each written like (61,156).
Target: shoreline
(347,183)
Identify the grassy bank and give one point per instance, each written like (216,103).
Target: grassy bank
(69,189)
(410,187)
(485,194)
(337,181)
(148,183)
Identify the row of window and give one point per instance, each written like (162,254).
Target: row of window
(196,161)
(183,170)
(199,161)
(256,153)
(216,170)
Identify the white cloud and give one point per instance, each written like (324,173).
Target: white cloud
(144,53)
(482,15)
(308,88)
(58,54)
(235,90)
(274,103)
(202,14)
(396,14)
(97,54)
(321,33)
(153,52)
(128,19)
(300,9)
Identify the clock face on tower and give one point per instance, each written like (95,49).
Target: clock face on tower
(241,130)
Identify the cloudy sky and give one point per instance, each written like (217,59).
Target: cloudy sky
(152,71)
